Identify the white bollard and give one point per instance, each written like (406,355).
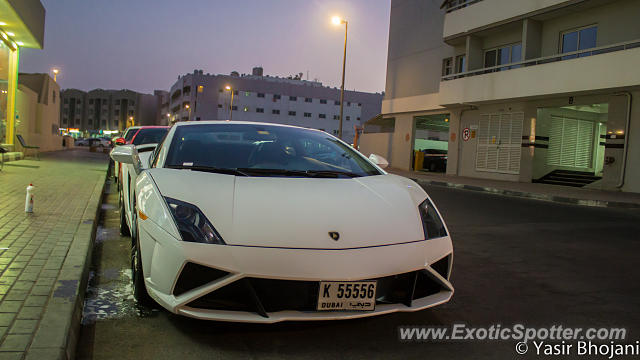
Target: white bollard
(28,204)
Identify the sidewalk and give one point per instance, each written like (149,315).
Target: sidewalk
(44,256)
(555,193)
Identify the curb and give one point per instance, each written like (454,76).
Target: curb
(533,196)
(59,330)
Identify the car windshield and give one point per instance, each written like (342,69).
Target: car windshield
(150,136)
(129,134)
(264,150)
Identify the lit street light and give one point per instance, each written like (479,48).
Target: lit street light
(336,20)
(229,88)
(55,74)
(189,109)
(132,122)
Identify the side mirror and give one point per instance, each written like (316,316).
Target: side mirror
(127,154)
(120,141)
(379,160)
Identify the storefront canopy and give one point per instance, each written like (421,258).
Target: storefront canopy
(25,20)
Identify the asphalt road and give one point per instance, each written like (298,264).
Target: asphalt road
(516,261)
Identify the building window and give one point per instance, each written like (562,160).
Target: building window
(259,110)
(275,112)
(117,102)
(337,102)
(220,90)
(322,116)
(292,113)
(308,100)
(293,98)
(447,66)
(219,106)
(247,93)
(360,104)
(200,88)
(66,111)
(335,132)
(336,117)
(580,39)
(276,97)
(461,63)
(130,112)
(64,120)
(54,96)
(116,112)
(348,103)
(348,118)
(236,93)
(66,101)
(260,95)
(308,115)
(323,101)
(104,123)
(234,108)
(503,55)
(245,109)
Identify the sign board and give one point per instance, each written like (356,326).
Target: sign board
(466,134)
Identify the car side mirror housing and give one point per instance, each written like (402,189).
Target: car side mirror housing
(120,141)
(127,154)
(379,160)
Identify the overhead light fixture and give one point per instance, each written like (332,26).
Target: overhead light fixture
(20,43)
(2,23)
(10,33)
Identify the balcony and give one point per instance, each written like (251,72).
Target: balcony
(464,18)
(453,5)
(604,67)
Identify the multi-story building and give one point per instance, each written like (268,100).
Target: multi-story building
(257,97)
(521,90)
(106,110)
(21,26)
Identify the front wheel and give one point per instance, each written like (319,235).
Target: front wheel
(139,288)
(124,228)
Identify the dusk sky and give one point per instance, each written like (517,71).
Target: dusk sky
(144,45)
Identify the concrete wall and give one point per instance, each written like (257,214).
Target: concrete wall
(564,77)
(488,12)
(376,143)
(616,21)
(416,49)
(39,117)
(402,142)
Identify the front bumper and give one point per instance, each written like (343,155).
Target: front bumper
(268,285)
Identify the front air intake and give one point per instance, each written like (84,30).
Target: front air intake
(194,275)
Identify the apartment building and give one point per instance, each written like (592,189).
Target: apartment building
(101,110)
(528,91)
(264,98)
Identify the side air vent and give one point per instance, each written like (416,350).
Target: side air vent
(194,275)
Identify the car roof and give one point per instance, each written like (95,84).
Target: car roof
(227,122)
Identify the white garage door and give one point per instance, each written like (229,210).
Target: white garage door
(570,142)
(499,143)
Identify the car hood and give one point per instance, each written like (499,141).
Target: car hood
(301,212)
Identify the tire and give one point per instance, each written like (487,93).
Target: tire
(140,293)
(124,228)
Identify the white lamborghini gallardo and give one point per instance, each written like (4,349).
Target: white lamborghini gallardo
(254,222)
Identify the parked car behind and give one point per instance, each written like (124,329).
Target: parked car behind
(435,160)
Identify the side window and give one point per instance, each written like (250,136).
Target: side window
(156,151)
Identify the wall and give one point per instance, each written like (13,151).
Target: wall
(39,119)
(416,49)
(488,12)
(376,143)
(617,22)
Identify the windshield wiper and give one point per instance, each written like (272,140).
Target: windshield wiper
(298,173)
(210,169)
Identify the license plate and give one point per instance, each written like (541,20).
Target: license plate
(347,295)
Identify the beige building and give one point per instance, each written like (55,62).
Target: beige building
(38,111)
(528,91)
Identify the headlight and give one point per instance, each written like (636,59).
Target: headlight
(192,224)
(431,222)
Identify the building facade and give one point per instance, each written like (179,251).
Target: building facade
(99,111)
(37,111)
(529,91)
(21,26)
(264,98)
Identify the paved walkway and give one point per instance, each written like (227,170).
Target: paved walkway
(556,193)
(41,254)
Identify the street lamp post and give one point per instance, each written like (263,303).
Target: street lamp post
(132,121)
(189,109)
(338,21)
(55,74)
(229,88)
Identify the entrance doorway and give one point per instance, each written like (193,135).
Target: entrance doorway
(569,144)
(431,144)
